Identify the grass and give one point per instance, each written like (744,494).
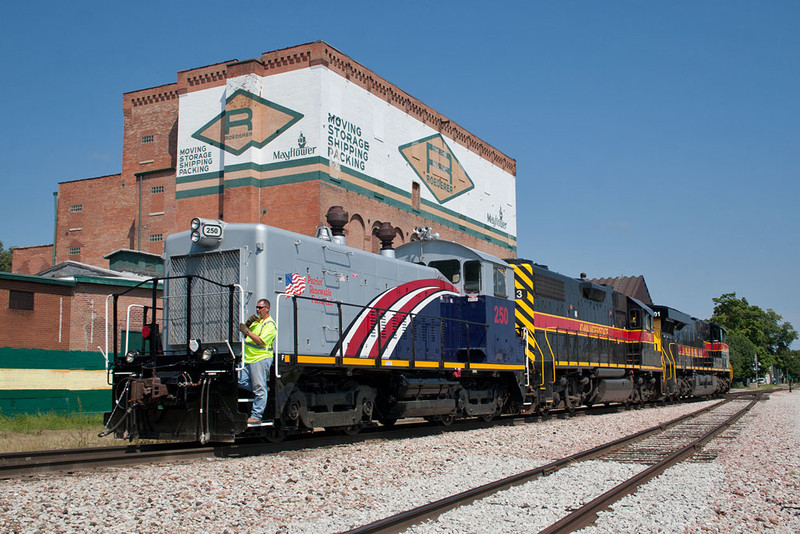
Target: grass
(26,432)
(28,424)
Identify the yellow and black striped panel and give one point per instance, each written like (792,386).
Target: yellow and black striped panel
(523,295)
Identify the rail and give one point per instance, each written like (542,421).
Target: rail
(430,511)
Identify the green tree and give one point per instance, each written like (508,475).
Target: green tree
(791,363)
(742,351)
(5,259)
(769,335)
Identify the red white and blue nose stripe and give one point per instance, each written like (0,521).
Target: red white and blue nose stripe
(395,308)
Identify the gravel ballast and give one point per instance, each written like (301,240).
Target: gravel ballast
(751,486)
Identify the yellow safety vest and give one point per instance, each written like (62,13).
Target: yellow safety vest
(266,330)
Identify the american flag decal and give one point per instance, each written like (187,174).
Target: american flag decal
(295,284)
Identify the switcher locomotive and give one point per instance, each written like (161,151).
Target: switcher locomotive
(429,329)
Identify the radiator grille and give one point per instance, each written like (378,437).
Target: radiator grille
(210,303)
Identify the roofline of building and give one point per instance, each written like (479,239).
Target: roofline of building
(30,246)
(320,53)
(79,279)
(140,252)
(92,178)
(36,279)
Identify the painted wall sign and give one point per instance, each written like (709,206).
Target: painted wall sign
(437,167)
(247,121)
(311,122)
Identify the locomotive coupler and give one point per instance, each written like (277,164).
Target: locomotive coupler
(147,390)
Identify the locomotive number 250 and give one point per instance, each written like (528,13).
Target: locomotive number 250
(500,315)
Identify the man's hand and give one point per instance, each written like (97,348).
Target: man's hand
(243,329)
(252,319)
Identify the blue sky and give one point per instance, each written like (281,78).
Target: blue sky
(654,138)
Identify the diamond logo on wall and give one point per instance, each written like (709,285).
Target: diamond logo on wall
(437,167)
(248,120)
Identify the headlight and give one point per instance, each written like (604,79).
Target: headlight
(194,345)
(195,236)
(196,223)
(132,355)
(208,353)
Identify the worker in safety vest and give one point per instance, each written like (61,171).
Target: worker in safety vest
(259,333)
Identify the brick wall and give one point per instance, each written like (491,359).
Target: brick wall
(109,218)
(65,316)
(96,216)
(31,260)
(44,327)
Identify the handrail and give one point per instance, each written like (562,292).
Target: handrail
(550,347)
(128,323)
(382,312)
(241,320)
(527,358)
(105,355)
(275,345)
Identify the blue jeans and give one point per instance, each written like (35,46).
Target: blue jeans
(254,378)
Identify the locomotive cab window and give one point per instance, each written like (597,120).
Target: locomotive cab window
(451,269)
(472,276)
(635,319)
(499,282)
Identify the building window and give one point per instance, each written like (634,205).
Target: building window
(74,251)
(76,208)
(147,139)
(155,238)
(20,300)
(157,189)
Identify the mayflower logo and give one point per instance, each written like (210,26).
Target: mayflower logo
(497,220)
(301,150)
(437,167)
(247,120)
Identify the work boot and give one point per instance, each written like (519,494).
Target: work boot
(253,421)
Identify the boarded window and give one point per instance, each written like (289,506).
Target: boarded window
(74,251)
(415,195)
(20,300)
(154,238)
(157,189)
(146,139)
(76,208)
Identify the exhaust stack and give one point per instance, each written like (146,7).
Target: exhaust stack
(337,218)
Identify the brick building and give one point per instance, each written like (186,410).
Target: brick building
(54,337)
(278,139)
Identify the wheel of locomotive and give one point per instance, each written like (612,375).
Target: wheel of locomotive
(444,420)
(486,418)
(275,435)
(351,430)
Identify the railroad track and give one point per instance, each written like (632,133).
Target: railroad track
(16,464)
(659,447)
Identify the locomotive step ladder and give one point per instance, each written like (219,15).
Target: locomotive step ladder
(248,401)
